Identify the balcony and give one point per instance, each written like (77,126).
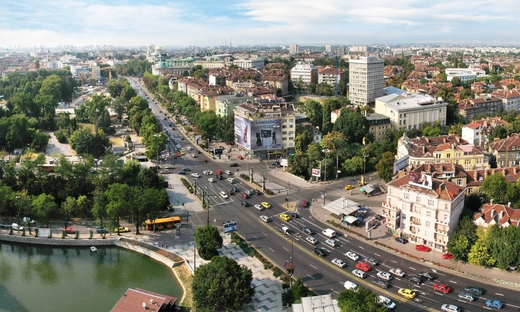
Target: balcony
(443,230)
(387,214)
(441,222)
(414,230)
(415,221)
(385,205)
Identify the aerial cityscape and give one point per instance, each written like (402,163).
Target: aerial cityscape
(249,156)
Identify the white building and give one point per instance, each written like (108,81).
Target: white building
(257,63)
(306,71)
(366,76)
(424,214)
(464,74)
(294,49)
(409,110)
(510,99)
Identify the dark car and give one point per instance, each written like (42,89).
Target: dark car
(320,252)
(381,283)
(401,240)
(245,204)
(182,172)
(415,280)
(475,290)
(372,261)
(235,189)
(234,165)
(219,177)
(186,169)
(379,217)
(294,215)
(101,230)
(308,230)
(257,192)
(426,275)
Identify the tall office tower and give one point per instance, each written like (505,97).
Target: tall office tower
(366,80)
(340,51)
(294,49)
(328,48)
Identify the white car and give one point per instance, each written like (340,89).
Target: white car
(384,275)
(224,195)
(352,255)
(389,304)
(266,219)
(259,207)
(359,273)
(195,175)
(331,243)
(207,172)
(338,262)
(16,227)
(228,172)
(212,180)
(397,272)
(311,240)
(450,308)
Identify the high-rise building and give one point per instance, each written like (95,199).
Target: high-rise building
(366,76)
(294,49)
(328,48)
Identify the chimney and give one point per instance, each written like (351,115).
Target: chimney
(491,203)
(475,175)
(509,204)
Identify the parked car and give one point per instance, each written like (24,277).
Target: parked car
(122,229)
(422,248)
(16,227)
(69,230)
(381,283)
(447,256)
(352,255)
(101,230)
(338,262)
(443,288)
(401,240)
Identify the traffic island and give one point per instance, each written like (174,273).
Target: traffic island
(291,206)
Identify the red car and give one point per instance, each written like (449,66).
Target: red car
(443,288)
(422,248)
(240,157)
(219,171)
(363,266)
(69,230)
(447,256)
(178,154)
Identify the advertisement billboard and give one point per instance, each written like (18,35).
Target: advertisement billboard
(257,135)
(420,179)
(316,172)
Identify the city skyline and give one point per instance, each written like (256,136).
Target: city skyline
(248,22)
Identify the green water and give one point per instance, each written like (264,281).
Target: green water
(34,278)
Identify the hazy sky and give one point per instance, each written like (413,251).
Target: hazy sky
(248,22)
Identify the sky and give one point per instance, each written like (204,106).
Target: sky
(205,23)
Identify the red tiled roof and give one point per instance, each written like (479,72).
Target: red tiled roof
(500,214)
(133,300)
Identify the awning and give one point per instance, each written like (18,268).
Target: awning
(368,188)
(350,219)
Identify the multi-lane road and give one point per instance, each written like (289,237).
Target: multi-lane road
(318,272)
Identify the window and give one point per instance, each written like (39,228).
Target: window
(446,217)
(417,209)
(418,199)
(406,196)
(448,155)
(446,206)
(459,182)
(428,214)
(427,224)
(431,202)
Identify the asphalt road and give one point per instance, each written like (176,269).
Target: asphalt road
(318,272)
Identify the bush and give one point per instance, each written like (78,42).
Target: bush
(245,177)
(277,272)
(60,136)
(267,266)
(187,185)
(269,192)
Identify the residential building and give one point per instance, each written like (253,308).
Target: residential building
(423,213)
(506,151)
(477,132)
(328,48)
(207,97)
(366,80)
(294,49)
(491,214)
(330,75)
(257,63)
(226,104)
(441,149)
(410,110)
(378,125)
(265,128)
(464,74)
(475,178)
(510,99)
(305,72)
(470,109)
(323,303)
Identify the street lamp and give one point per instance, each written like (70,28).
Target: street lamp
(157,146)
(289,265)
(325,174)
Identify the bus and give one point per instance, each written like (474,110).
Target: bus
(162,223)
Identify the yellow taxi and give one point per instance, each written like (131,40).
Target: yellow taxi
(405,292)
(349,187)
(285,217)
(266,205)
(122,229)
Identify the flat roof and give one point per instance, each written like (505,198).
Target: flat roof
(136,300)
(342,206)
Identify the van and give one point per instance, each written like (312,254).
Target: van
(329,233)
(351,286)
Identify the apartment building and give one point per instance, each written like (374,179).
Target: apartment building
(423,209)
(265,128)
(491,214)
(378,125)
(470,109)
(366,80)
(510,99)
(478,131)
(306,72)
(330,75)
(410,110)
(226,104)
(294,49)
(506,151)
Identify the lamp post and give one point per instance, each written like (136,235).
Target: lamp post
(289,265)
(157,147)
(325,174)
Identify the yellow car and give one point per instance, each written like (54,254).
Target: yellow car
(182,152)
(266,205)
(405,292)
(122,229)
(349,187)
(285,217)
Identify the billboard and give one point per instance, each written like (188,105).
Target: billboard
(229,226)
(257,135)
(420,179)
(316,172)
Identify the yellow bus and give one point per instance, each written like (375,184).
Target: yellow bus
(162,223)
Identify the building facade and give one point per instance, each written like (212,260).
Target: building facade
(470,109)
(306,72)
(506,151)
(257,63)
(378,125)
(510,99)
(366,80)
(478,131)
(226,104)
(330,75)
(423,214)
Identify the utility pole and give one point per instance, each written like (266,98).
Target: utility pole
(289,265)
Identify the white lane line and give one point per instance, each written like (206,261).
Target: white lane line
(393,261)
(271,249)
(452,281)
(334,291)
(255,236)
(286,249)
(498,294)
(313,266)
(440,274)
(412,268)
(360,247)
(310,276)
(264,233)
(377,254)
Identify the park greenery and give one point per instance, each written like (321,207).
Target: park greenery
(222,285)
(208,241)
(361,300)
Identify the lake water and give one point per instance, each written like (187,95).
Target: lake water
(35,278)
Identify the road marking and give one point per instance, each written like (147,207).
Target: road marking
(377,254)
(285,248)
(499,294)
(334,291)
(264,233)
(452,281)
(313,266)
(361,247)
(440,274)
(310,276)
(393,261)
(412,268)
(271,249)
(255,236)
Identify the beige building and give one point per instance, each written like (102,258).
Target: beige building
(378,125)
(506,151)
(409,111)
(423,214)
(366,80)
(226,104)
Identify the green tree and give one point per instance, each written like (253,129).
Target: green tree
(462,239)
(314,112)
(385,166)
(299,290)
(120,200)
(494,186)
(208,241)
(361,300)
(44,208)
(207,123)
(222,285)
(68,208)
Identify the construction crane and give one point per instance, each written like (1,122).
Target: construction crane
(109,71)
